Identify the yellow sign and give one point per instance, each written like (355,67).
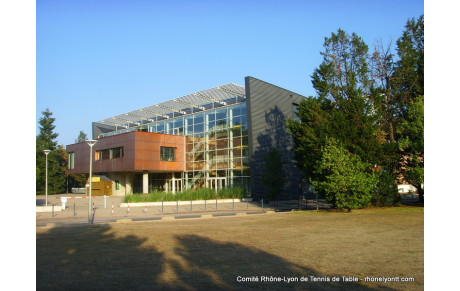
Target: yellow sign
(95,179)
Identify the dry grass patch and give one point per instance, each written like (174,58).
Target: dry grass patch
(201,254)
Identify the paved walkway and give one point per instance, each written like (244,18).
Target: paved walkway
(76,211)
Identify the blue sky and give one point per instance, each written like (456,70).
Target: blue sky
(96,59)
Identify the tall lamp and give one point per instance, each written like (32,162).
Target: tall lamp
(90,143)
(46,176)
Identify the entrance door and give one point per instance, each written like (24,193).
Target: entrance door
(177,185)
(216,183)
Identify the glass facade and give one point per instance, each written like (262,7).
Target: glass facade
(216,150)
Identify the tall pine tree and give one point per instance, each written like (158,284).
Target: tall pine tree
(57,160)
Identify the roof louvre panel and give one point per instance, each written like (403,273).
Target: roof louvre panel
(218,94)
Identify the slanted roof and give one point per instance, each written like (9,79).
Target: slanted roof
(195,100)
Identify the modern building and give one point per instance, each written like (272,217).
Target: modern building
(214,138)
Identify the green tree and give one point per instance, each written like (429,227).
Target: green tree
(368,104)
(412,145)
(57,160)
(409,71)
(343,112)
(409,79)
(81,137)
(310,131)
(344,79)
(273,177)
(348,182)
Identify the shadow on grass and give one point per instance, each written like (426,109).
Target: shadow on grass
(93,258)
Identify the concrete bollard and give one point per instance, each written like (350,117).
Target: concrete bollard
(63,201)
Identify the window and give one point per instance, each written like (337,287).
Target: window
(167,154)
(108,154)
(117,153)
(71,161)
(295,111)
(104,155)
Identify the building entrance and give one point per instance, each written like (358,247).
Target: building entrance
(174,185)
(216,183)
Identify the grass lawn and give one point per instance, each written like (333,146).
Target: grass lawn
(217,253)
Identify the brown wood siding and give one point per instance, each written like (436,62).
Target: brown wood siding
(141,152)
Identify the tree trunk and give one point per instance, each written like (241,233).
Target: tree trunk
(421,194)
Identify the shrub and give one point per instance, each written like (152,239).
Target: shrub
(387,190)
(186,195)
(346,180)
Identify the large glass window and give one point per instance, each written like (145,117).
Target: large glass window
(167,154)
(236,110)
(198,118)
(198,128)
(179,122)
(221,113)
(211,116)
(160,127)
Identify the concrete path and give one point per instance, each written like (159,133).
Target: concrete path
(76,211)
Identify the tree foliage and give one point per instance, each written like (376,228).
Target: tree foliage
(409,77)
(412,144)
(81,137)
(368,106)
(349,183)
(57,158)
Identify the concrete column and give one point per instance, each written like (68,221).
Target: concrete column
(129,183)
(173,183)
(145,182)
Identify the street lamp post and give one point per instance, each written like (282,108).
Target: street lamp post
(90,143)
(46,176)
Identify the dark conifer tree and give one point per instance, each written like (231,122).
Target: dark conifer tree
(57,160)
